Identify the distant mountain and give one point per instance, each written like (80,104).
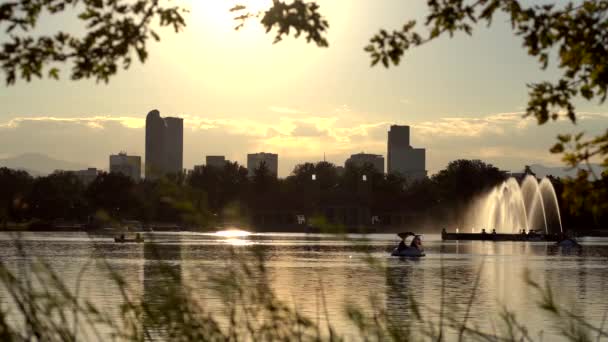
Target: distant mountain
(39,164)
(560,171)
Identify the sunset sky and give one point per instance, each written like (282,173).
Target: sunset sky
(238,93)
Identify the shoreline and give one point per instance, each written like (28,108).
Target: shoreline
(274,229)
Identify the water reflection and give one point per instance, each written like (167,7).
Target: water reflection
(404,278)
(162,280)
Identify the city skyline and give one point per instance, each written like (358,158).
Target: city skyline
(471,108)
(194,149)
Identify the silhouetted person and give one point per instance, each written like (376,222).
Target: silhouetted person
(416,242)
(402,245)
(493,231)
(483,231)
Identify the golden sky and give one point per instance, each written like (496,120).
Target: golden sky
(239,94)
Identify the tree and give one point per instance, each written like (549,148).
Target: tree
(113,193)
(463,179)
(15,186)
(263,180)
(59,195)
(115,31)
(222,185)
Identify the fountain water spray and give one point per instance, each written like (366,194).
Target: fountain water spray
(510,207)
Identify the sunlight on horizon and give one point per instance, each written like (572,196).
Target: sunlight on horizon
(232,233)
(215,57)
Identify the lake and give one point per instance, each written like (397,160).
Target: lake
(320,274)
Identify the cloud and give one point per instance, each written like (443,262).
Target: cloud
(307,130)
(285,110)
(96,122)
(466,127)
(505,139)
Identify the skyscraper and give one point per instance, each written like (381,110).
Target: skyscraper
(127,165)
(215,161)
(174,145)
(164,145)
(254,160)
(402,158)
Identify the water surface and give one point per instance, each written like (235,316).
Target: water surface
(321,274)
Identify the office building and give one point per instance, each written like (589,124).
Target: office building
(215,161)
(361,159)
(87,176)
(164,145)
(402,158)
(254,160)
(127,165)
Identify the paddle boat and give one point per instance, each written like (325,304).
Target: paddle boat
(122,239)
(413,250)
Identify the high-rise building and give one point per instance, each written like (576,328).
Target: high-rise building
(361,159)
(402,158)
(127,165)
(164,145)
(254,160)
(215,161)
(87,176)
(174,145)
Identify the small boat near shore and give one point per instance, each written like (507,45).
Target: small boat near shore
(493,236)
(122,239)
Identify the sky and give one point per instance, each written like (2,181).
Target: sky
(239,93)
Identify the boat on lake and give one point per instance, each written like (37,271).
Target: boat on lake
(122,239)
(413,250)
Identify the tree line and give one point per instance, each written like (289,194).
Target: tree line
(210,195)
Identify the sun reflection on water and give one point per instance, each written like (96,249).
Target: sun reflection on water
(234,237)
(232,233)
(238,242)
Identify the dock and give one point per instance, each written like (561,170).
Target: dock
(498,237)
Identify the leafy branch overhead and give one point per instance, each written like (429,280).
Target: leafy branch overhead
(116,32)
(578,32)
(298,16)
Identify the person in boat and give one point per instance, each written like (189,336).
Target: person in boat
(494,231)
(416,242)
(483,231)
(402,245)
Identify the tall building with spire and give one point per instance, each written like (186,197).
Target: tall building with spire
(164,145)
(402,158)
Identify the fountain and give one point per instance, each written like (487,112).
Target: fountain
(510,207)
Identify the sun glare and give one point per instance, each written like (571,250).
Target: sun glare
(218,12)
(232,233)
